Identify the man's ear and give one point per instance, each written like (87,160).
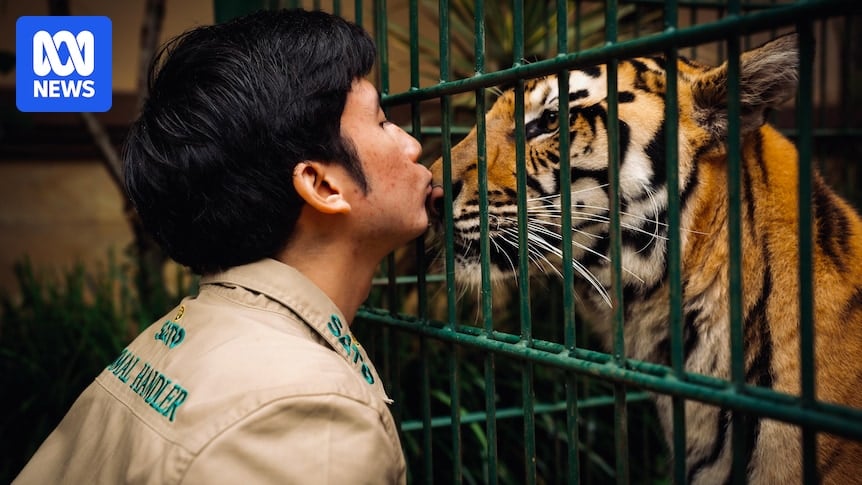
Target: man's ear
(319,186)
(768,78)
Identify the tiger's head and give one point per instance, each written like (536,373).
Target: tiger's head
(767,79)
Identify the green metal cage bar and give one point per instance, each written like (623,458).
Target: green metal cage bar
(568,316)
(780,16)
(734,191)
(806,258)
(674,243)
(737,19)
(740,398)
(527,372)
(838,420)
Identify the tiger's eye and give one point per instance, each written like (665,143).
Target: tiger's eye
(550,120)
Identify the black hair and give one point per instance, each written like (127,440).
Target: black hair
(231,110)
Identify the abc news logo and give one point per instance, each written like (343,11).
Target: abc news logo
(63,64)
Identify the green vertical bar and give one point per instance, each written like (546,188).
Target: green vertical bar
(454,376)
(425,376)
(615,235)
(737,369)
(416,131)
(485,251)
(850,32)
(391,374)
(578,24)
(521,175)
(692,20)
(804,109)
(382,44)
(573,469)
(674,249)
(482,169)
(446,140)
(427,443)
(528,396)
(613,128)
(336,7)
(357,12)
(821,115)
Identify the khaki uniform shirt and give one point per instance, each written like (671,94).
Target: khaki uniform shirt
(256,380)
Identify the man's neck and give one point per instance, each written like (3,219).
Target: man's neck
(344,275)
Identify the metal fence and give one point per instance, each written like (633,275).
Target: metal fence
(506,385)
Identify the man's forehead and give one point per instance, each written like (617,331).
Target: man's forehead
(366,94)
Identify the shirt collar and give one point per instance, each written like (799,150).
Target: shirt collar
(295,291)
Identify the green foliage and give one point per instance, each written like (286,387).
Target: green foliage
(540,31)
(56,334)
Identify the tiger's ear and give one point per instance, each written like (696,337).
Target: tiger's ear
(768,78)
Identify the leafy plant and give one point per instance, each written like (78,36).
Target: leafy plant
(56,335)
(540,27)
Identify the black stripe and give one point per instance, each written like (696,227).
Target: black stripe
(639,66)
(625,97)
(579,94)
(690,339)
(656,151)
(592,71)
(625,136)
(600,247)
(456,188)
(589,113)
(601,176)
(750,426)
(748,198)
(720,439)
(597,111)
(758,152)
(690,333)
(661,352)
(853,305)
(534,184)
(758,355)
(758,335)
(660,61)
(832,225)
(688,186)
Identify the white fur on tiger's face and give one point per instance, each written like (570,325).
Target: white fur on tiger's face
(769,216)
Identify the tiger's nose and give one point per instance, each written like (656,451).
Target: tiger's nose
(434,204)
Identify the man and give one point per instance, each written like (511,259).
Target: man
(261,160)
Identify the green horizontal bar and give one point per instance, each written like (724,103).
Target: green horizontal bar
(777,17)
(437,130)
(477,417)
(839,420)
(825,133)
(705,4)
(408,280)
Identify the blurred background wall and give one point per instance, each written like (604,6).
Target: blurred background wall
(58,203)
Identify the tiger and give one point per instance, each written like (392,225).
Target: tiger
(768,77)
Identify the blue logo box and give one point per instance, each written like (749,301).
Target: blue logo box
(63,64)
